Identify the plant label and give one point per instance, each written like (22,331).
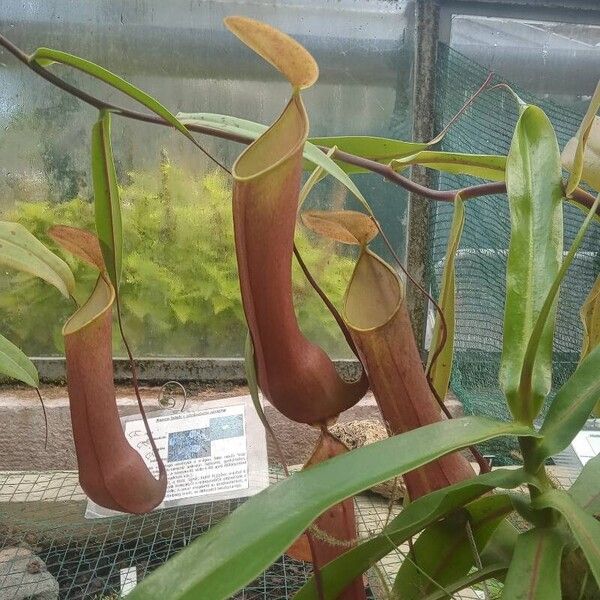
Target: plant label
(215,453)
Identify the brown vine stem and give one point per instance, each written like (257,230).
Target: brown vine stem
(485,189)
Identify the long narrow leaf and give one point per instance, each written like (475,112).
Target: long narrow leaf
(317,175)
(584,527)
(534,187)
(586,489)
(576,166)
(230,555)
(417,515)
(21,250)
(534,572)
(14,364)
(485,166)
(570,408)
(45,56)
(590,319)
(590,172)
(319,158)
(379,149)
(440,366)
(107,204)
(548,306)
(224,123)
(312,154)
(443,551)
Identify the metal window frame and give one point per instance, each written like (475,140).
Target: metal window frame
(433,25)
(585,12)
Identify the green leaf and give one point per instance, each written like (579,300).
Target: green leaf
(319,158)
(439,367)
(379,149)
(585,129)
(312,154)
(485,166)
(586,489)
(13,363)
(336,575)
(584,527)
(224,123)
(570,408)
(534,572)
(501,547)
(230,555)
(317,175)
(21,250)
(107,203)
(534,187)
(443,551)
(491,572)
(549,305)
(45,56)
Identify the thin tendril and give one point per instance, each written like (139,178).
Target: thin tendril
(39,395)
(330,306)
(161,466)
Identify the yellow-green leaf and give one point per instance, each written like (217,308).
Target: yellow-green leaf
(14,364)
(574,152)
(317,175)
(106,199)
(21,250)
(590,318)
(443,551)
(570,408)
(486,166)
(586,489)
(313,156)
(439,367)
(379,149)
(417,515)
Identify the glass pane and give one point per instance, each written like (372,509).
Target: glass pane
(180,291)
(556,60)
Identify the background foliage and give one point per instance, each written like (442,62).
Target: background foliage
(180,290)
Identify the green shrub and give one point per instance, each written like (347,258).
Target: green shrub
(180,290)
